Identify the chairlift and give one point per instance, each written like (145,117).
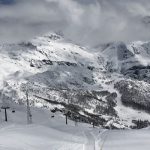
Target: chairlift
(13,111)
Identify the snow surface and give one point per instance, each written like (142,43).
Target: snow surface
(44,133)
(53,134)
(126,140)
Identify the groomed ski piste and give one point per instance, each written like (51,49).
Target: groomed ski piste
(51,133)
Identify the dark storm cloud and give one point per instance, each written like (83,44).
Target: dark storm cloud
(7,2)
(85,21)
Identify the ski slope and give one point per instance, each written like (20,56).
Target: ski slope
(53,134)
(126,140)
(45,133)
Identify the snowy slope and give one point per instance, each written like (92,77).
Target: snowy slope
(53,134)
(126,140)
(45,132)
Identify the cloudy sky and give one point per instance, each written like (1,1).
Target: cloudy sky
(88,22)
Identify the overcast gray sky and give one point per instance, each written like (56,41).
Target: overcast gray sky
(88,22)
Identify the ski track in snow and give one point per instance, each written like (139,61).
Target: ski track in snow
(90,143)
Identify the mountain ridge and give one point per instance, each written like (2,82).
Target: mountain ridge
(63,75)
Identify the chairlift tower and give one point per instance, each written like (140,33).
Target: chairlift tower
(5,108)
(4,104)
(29,115)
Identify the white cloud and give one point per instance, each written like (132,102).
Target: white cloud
(85,21)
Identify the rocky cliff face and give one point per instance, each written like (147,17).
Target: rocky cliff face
(108,86)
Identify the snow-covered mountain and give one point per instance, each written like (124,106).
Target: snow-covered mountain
(108,85)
